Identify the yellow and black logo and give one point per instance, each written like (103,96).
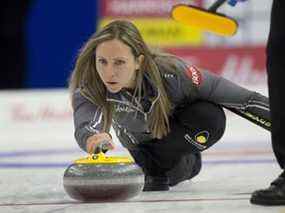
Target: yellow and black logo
(202,137)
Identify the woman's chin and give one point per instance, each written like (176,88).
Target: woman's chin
(114,89)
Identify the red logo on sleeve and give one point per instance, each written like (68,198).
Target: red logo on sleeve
(194,74)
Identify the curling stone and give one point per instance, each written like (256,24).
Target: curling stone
(103,178)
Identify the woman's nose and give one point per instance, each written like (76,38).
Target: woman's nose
(109,71)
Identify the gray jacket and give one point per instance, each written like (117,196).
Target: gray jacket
(183,88)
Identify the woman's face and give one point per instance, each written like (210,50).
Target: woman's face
(116,65)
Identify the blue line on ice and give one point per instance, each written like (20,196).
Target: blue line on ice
(43,165)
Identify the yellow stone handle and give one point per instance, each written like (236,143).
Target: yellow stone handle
(101,158)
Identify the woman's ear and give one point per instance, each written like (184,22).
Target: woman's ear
(139,61)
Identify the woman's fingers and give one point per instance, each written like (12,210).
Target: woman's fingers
(104,146)
(107,145)
(91,145)
(99,142)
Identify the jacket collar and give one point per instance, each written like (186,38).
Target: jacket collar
(151,95)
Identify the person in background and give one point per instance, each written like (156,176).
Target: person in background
(275,193)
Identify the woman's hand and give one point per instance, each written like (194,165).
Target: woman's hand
(99,142)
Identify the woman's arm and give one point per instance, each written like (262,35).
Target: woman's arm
(248,104)
(88,124)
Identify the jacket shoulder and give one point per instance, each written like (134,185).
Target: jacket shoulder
(179,87)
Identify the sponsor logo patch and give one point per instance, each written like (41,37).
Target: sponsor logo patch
(257,119)
(194,74)
(168,75)
(194,143)
(123,108)
(202,137)
(199,140)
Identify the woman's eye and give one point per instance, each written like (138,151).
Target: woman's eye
(102,61)
(119,62)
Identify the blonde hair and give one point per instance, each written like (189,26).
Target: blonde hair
(86,78)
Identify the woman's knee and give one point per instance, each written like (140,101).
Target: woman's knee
(205,123)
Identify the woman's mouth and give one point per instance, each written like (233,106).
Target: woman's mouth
(111,83)
(113,86)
